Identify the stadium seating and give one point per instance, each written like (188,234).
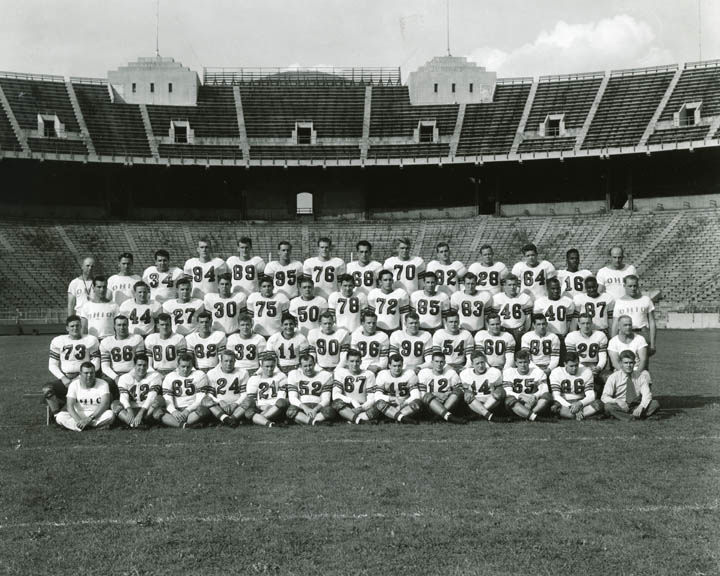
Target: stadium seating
(698,83)
(28,98)
(199,151)
(8,140)
(680,134)
(682,264)
(57,146)
(213,117)
(572,97)
(490,128)
(304,152)
(271,111)
(628,104)
(392,115)
(437,150)
(116,129)
(550,144)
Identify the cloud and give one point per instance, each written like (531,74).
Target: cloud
(610,43)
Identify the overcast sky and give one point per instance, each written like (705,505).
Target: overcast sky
(512,37)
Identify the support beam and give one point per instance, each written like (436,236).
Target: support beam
(80,118)
(661,106)
(523,119)
(244,146)
(591,114)
(365,142)
(458,129)
(149,131)
(19,134)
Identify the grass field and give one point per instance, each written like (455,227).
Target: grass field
(584,498)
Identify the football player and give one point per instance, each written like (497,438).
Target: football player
(471,305)
(204,270)
(270,387)
(267,308)
(183,392)
(97,313)
(498,346)
(415,346)
(364,271)
(429,304)
(226,306)
(245,269)
(162,278)
(544,346)
(310,393)
(572,279)
(206,344)
(489,273)
(228,386)
(455,344)
(121,285)
(572,390)
(389,303)
(307,307)
(598,306)
(287,345)
(164,346)
(556,307)
(329,344)
(483,386)
(372,344)
(184,309)
(353,393)
(117,353)
(526,389)
(533,273)
(610,278)
(138,391)
(514,307)
(347,304)
(449,273)
(247,346)
(79,289)
(591,347)
(441,390)
(67,353)
(140,310)
(407,271)
(397,394)
(88,402)
(285,272)
(324,269)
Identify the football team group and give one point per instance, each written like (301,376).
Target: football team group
(244,341)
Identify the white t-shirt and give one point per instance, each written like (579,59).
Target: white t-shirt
(612,279)
(88,399)
(120,288)
(637,308)
(100,317)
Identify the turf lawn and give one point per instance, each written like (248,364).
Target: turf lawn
(585,498)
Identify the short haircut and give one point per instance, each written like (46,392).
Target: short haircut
(140,284)
(205,239)
(384,272)
(72,318)
(622,250)
(225,276)
(470,276)
(430,274)
(87,364)
(120,317)
(529,248)
(245,240)
(572,357)
(452,314)
(140,357)
(242,318)
(284,243)
(306,279)
(367,314)
(185,357)
(164,317)
(412,316)
(405,241)
(572,251)
(538,318)
(306,356)
(509,278)
(99,278)
(478,354)
(584,315)
(287,316)
(265,279)
(395,358)
(324,239)
(183,281)
(352,353)
(163,253)
(485,247)
(204,314)
(627,354)
(552,280)
(492,316)
(624,317)
(363,243)
(441,245)
(268,357)
(590,279)
(345,278)
(630,277)
(438,354)
(327,314)
(127,255)
(227,352)
(523,354)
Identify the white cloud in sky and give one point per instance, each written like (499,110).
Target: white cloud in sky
(610,43)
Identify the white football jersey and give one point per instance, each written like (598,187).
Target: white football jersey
(397,389)
(534,280)
(268,390)
(163,352)
(305,389)
(516,383)
(448,275)
(347,309)
(307,312)
(228,387)
(285,276)
(542,348)
(329,348)
(324,273)
(489,278)
(267,312)
(512,311)
(572,283)
(471,308)
(120,288)
(247,350)
(364,276)
(162,284)
(557,312)
(456,347)
(245,273)
(611,279)
(430,309)
(374,349)
(405,272)
(588,348)
(100,317)
(355,388)
(139,393)
(481,385)
(389,308)
(141,317)
(572,387)
(287,351)
(226,311)
(600,309)
(184,314)
(441,385)
(204,275)
(118,355)
(496,348)
(206,350)
(67,354)
(415,350)
(181,392)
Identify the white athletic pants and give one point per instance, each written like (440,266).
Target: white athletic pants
(64,419)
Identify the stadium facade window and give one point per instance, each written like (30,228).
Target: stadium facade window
(181,135)
(134,87)
(181,132)
(152,87)
(304,203)
(304,133)
(554,125)
(49,130)
(169,87)
(452,87)
(50,126)
(471,87)
(435,88)
(553,128)
(688,115)
(426,132)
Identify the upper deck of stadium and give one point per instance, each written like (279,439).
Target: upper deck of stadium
(355,117)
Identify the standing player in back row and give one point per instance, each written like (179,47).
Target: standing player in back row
(449,273)
(347,304)
(406,271)
(121,285)
(204,270)
(80,288)
(245,268)
(285,272)
(266,308)
(364,271)
(572,279)
(610,278)
(162,278)
(490,274)
(533,273)
(324,269)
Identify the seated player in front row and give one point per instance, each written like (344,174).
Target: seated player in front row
(441,390)
(183,391)
(627,394)
(353,393)
(526,389)
(483,386)
(138,391)
(310,393)
(572,390)
(397,394)
(88,402)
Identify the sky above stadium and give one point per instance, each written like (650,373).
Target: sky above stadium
(512,37)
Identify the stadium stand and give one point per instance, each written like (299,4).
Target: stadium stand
(199,151)
(304,152)
(42,95)
(57,146)
(392,115)
(490,128)
(549,144)
(116,128)
(679,134)
(572,97)
(629,102)
(271,111)
(699,82)
(8,140)
(437,150)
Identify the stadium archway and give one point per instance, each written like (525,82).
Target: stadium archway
(304,203)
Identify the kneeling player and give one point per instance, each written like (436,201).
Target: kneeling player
(483,386)
(88,402)
(310,393)
(183,392)
(441,390)
(227,385)
(138,390)
(353,393)
(397,394)
(526,390)
(572,390)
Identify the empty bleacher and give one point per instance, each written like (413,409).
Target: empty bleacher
(57,146)
(304,152)
(213,117)
(8,140)
(30,97)
(550,144)
(116,129)
(490,128)
(628,104)
(392,115)
(436,150)
(200,151)
(572,97)
(698,83)
(271,111)
(679,134)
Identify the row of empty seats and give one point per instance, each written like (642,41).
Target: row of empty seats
(391,113)
(40,257)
